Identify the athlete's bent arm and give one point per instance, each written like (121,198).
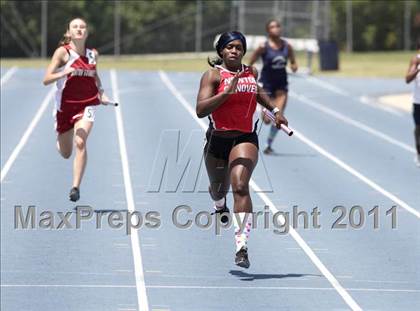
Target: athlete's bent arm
(257,53)
(293,63)
(207,102)
(58,59)
(413,70)
(264,100)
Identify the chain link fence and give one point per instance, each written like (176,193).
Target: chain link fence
(33,28)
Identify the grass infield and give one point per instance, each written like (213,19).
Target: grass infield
(369,64)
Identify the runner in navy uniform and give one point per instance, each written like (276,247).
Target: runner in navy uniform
(275,54)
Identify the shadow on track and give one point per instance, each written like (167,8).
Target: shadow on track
(244,276)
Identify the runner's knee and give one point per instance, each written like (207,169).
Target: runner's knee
(80,142)
(240,188)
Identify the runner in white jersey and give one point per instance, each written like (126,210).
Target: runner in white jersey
(413,75)
(79,91)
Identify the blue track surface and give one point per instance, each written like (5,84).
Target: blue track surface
(93,269)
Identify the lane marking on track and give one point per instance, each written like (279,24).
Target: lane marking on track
(7,75)
(328,86)
(339,91)
(303,99)
(135,242)
(26,134)
(357,174)
(351,289)
(370,102)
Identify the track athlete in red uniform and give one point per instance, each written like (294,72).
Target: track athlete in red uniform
(79,91)
(228,96)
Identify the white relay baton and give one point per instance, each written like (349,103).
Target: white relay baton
(283,127)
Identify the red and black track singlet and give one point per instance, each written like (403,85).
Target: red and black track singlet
(79,87)
(238,112)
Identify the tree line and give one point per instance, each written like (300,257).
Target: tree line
(170,26)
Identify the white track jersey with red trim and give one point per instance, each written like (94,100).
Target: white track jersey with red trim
(238,112)
(79,87)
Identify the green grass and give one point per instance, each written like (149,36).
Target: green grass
(370,64)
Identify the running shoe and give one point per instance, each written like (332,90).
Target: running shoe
(268,150)
(74,194)
(224,218)
(241,258)
(417,160)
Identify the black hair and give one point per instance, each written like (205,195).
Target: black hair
(213,61)
(223,40)
(227,37)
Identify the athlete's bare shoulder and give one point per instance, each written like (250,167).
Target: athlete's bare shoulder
(211,76)
(61,51)
(61,55)
(254,71)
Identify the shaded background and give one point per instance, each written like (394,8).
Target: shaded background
(33,28)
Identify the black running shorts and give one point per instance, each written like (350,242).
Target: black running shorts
(416,114)
(220,147)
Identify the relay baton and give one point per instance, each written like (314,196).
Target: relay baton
(283,127)
(110,104)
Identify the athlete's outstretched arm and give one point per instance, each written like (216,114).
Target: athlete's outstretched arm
(207,102)
(413,70)
(257,54)
(59,58)
(293,62)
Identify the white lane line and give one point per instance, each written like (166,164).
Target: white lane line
(382,281)
(352,122)
(370,102)
(285,287)
(135,242)
(27,134)
(394,290)
(333,281)
(362,99)
(7,75)
(326,85)
(357,174)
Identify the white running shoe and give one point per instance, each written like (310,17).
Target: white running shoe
(417,160)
